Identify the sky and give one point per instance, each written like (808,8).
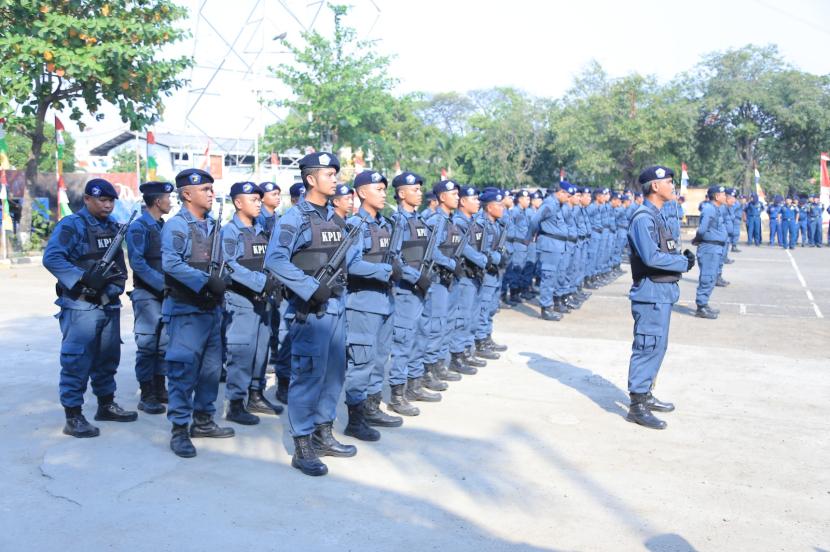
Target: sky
(461,45)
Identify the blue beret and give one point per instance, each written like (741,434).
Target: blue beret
(536,195)
(522,193)
(191,177)
(491,195)
(812,196)
(269,187)
(98,187)
(151,188)
(245,188)
(369,177)
(407,179)
(712,190)
(430,196)
(468,191)
(297,189)
(567,187)
(585,190)
(319,160)
(342,190)
(656,172)
(615,195)
(490,189)
(444,186)
(777,197)
(638,194)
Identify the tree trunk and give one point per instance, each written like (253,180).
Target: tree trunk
(25,227)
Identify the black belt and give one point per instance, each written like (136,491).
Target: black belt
(138,283)
(246,292)
(558,237)
(356,283)
(713,242)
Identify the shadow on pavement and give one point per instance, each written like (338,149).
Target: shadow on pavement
(668,542)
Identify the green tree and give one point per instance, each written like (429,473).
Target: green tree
(20,147)
(340,91)
(76,55)
(124,162)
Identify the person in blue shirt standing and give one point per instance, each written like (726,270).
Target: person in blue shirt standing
(752,212)
(551,231)
(519,240)
(492,211)
(656,267)
(89,308)
(774,213)
(815,217)
(192,311)
(305,241)
(804,222)
(248,303)
(789,226)
(369,308)
(736,211)
(710,239)
(144,252)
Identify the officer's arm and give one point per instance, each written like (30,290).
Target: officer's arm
(408,274)
(357,266)
(437,223)
(63,240)
(233,245)
(537,218)
(284,241)
(173,247)
(705,222)
(136,244)
(643,236)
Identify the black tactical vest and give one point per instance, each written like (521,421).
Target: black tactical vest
(200,260)
(253,257)
(152,254)
(98,240)
(451,241)
(639,269)
(414,249)
(326,236)
(380,244)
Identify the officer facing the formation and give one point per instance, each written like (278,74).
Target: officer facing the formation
(88,296)
(815,221)
(144,252)
(192,310)
(710,240)
(752,212)
(248,304)
(306,242)
(656,266)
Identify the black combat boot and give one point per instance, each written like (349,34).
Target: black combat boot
(149,402)
(591,283)
(571,302)
(180,442)
(515,297)
(730,261)
(495,346)
(237,413)
(109,411)
(415,391)
(160,383)
(204,426)
(223,375)
(505,299)
(560,306)
(442,373)
(305,459)
(653,403)
(721,282)
(374,416)
(282,390)
(259,404)
(459,364)
(357,426)
(431,380)
(736,250)
(483,351)
(472,360)
(324,443)
(76,424)
(703,311)
(399,404)
(549,314)
(639,412)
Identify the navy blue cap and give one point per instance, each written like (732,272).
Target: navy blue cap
(615,195)
(468,191)
(522,193)
(241,188)
(430,196)
(98,187)
(713,190)
(269,187)
(585,190)
(657,172)
(319,160)
(407,179)
(638,194)
(342,190)
(536,195)
(491,195)
(567,187)
(150,188)
(297,189)
(193,177)
(777,197)
(444,186)
(369,177)
(490,189)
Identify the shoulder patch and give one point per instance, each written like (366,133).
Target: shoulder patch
(137,239)
(286,235)
(66,235)
(230,246)
(179,240)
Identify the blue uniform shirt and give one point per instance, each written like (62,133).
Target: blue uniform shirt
(711,227)
(137,241)
(644,238)
(402,216)
(175,252)
(470,252)
(233,242)
(439,222)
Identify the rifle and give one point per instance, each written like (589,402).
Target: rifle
(428,262)
(329,273)
(465,239)
(500,248)
(397,236)
(217,266)
(106,264)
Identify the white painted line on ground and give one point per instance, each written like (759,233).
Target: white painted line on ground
(804,285)
(742,308)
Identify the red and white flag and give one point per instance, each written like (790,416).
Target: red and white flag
(824,191)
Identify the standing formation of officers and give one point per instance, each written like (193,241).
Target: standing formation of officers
(789,220)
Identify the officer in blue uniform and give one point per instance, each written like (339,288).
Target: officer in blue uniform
(804,222)
(725,212)
(656,267)
(774,212)
(592,210)
(815,218)
(90,308)
(248,303)
(584,241)
(410,291)
(621,223)
(736,211)
(488,219)
(551,231)
(789,226)
(369,308)
(532,258)
(710,239)
(267,220)
(144,252)
(271,201)
(752,212)
(431,200)
(307,237)
(192,311)
(435,320)
(519,240)
(343,201)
